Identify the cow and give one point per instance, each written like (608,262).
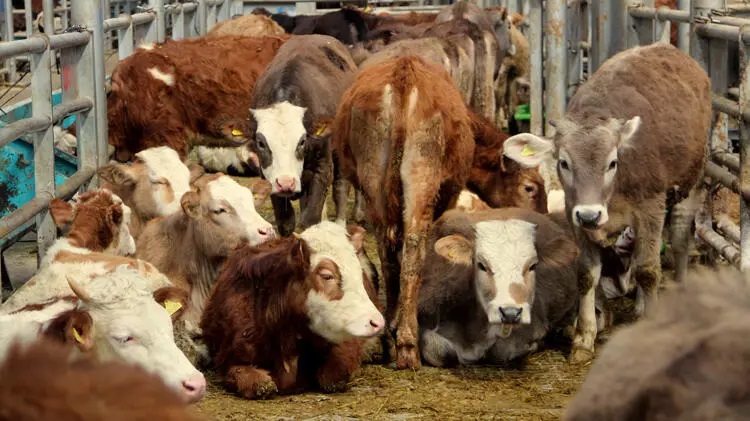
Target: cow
(151,186)
(189,246)
(403,137)
(291,102)
(686,360)
(115,316)
(624,149)
(247,25)
(237,161)
(200,86)
(42,380)
(290,315)
(494,284)
(346,25)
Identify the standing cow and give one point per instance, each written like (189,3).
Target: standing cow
(292,99)
(495,283)
(624,148)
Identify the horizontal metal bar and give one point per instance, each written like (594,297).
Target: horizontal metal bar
(210,3)
(730,20)
(66,108)
(724,247)
(35,44)
(189,7)
(738,7)
(727,227)
(727,106)
(175,8)
(123,21)
(69,40)
(731,160)
(718,31)
(19,128)
(74,182)
(663,13)
(726,178)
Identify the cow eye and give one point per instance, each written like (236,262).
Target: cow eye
(327,276)
(612,165)
(302,141)
(564,164)
(160,181)
(529,188)
(260,141)
(532,267)
(219,211)
(482,267)
(125,339)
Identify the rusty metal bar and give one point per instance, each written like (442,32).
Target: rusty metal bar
(662,13)
(728,228)
(683,31)
(536,76)
(745,151)
(731,160)
(726,178)
(727,106)
(715,240)
(555,64)
(22,127)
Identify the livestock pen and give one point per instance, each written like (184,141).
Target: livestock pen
(569,40)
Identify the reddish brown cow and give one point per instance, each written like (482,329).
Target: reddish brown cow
(201,88)
(42,382)
(403,137)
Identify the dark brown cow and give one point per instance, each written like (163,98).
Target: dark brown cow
(403,137)
(200,87)
(291,104)
(495,283)
(688,360)
(346,25)
(291,314)
(622,163)
(42,382)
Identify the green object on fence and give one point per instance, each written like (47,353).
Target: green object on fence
(523,112)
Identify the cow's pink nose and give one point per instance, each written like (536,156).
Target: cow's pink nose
(377,325)
(194,388)
(285,184)
(266,232)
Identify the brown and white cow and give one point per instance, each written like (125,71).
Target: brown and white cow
(297,93)
(620,160)
(114,316)
(200,86)
(152,185)
(189,246)
(494,284)
(248,26)
(291,314)
(688,359)
(44,381)
(403,137)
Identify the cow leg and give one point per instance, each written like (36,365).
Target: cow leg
(359,207)
(436,350)
(283,214)
(388,250)
(251,382)
(340,194)
(311,207)
(337,369)
(589,272)
(648,230)
(681,227)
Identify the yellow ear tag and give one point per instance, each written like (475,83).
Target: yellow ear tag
(236,132)
(321,129)
(77,335)
(368,9)
(172,306)
(527,151)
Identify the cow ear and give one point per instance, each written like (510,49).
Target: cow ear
(117,174)
(62,212)
(79,330)
(322,129)
(356,237)
(196,171)
(236,130)
(455,248)
(115,215)
(173,299)
(191,202)
(528,150)
(627,130)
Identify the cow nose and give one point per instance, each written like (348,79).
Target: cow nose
(377,324)
(588,218)
(194,388)
(266,232)
(511,315)
(286,184)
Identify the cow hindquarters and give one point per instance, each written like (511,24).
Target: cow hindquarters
(589,272)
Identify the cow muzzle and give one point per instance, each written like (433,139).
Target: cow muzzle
(590,217)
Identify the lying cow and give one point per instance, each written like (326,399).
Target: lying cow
(619,161)
(293,98)
(689,359)
(494,284)
(200,86)
(116,317)
(189,246)
(42,381)
(290,315)
(151,186)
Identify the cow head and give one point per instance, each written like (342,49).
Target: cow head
(338,305)
(501,26)
(97,220)
(153,185)
(587,163)
(283,133)
(131,326)
(224,214)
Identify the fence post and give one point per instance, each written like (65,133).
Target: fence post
(157,31)
(535,53)
(202,15)
(556,63)
(125,41)
(10,63)
(744,150)
(178,24)
(91,125)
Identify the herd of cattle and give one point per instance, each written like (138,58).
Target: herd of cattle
(170,266)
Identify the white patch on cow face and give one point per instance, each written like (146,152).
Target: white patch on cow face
(505,258)
(234,205)
(168,175)
(157,74)
(354,314)
(280,130)
(124,245)
(130,326)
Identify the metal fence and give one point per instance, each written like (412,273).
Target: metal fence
(579,35)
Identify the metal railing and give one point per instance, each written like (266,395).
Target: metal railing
(620,24)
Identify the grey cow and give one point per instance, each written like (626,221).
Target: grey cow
(495,282)
(631,144)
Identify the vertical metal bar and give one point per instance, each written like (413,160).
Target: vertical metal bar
(64,15)
(10,63)
(48,6)
(92,125)
(156,29)
(640,31)
(237,7)
(28,18)
(683,29)
(202,15)
(44,157)
(210,18)
(125,41)
(554,34)
(744,151)
(535,53)
(178,25)
(223,13)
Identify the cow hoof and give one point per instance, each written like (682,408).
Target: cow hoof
(263,390)
(408,359)
(580,356)
(335,387)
